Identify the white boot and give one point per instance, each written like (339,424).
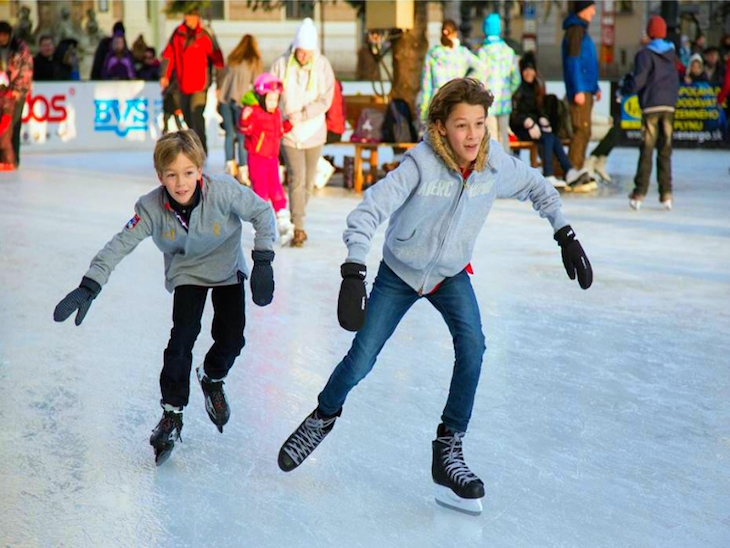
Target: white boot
(590,166)
(243,177)
(284,226)
(553,180)
(325,170)
(232,168)
(635,204)
(601,168)
(574,174)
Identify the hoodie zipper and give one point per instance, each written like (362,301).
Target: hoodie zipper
(464,185)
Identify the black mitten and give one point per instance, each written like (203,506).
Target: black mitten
(574,258)
(353,301)
(79,299)
(262,277)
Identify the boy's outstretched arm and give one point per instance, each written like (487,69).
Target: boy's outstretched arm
(251,208)
(379,203)
(122,244)
(517,180)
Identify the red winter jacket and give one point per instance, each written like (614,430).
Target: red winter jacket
(336,114)
(188,53)
(263,130)
(725,91)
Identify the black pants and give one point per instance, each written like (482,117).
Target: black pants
(17,124)
(656,132)
(192,107)
(606,145)
(229,319)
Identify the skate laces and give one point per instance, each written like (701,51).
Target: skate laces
(454,464)
(170,424)
(307,437)
(215,393)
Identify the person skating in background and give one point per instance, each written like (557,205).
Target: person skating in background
(309,86)
(7,104)
(195,220)
(119,63)
(529,122)
(191,53)
(242,68)
(500,74)
(580,72)
(263,127)
(436,202)
(17,64)
(443,63)
(656,81)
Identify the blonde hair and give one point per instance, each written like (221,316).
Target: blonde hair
(458,90)
(171,145)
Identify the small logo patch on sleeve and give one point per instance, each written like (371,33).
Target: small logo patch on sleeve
(133,222)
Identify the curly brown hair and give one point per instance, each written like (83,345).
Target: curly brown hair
(458,90)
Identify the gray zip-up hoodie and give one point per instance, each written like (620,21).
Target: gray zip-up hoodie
(436,216)
(209,253)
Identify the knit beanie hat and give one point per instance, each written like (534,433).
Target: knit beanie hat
(492,25)
(306,36)
(580,5)
(657,27)
(528,61)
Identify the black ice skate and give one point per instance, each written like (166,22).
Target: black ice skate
(305,439)
(215,399)
(166,433)
(457,487)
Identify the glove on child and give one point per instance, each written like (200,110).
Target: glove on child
(262,277)
(353,300)
(79,299)
(574,258)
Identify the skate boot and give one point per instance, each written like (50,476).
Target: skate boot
(242,176)
(635,201)
(457,487)
(579,181)
(215,399)
(232,168)
(666,201)
(305,439)
(284,226)
(601,168)
(166,433)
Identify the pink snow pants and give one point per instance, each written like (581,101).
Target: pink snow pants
(264,175)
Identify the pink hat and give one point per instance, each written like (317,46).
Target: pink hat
(267,83)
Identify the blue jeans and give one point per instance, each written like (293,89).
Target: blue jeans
(231,112)
(552,145)
(390,299)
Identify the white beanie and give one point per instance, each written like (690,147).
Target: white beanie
(306,36)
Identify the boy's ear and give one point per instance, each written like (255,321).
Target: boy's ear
(441,128)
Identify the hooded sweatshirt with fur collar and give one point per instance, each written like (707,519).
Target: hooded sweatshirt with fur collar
(436,216)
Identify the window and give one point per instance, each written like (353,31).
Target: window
(215,9)
(299,9)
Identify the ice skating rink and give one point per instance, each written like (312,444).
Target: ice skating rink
(602,417)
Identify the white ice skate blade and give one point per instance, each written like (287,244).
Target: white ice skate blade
(448,499)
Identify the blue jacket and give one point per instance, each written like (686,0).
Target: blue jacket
(435,215)
(580,63)
(655,78)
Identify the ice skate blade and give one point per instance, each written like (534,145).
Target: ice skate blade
(448,499)
(220,428)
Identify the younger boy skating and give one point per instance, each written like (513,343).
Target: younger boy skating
(436,203)
(263,128)
(195,220)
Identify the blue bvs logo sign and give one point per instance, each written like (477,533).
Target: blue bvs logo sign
(121,117)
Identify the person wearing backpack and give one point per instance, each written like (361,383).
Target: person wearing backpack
(309,86)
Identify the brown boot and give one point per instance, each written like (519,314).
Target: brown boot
(299,238)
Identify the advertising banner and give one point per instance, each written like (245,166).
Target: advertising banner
(76,116)
(698,119)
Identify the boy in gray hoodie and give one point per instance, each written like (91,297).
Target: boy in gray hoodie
(195,220)
(436,203)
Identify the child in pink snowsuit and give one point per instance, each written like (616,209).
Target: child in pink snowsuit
(263,128)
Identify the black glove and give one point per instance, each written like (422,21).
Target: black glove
(262,277)
(574,258)
(353,301)
(79,299)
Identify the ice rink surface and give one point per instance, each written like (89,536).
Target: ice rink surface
(602,417)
